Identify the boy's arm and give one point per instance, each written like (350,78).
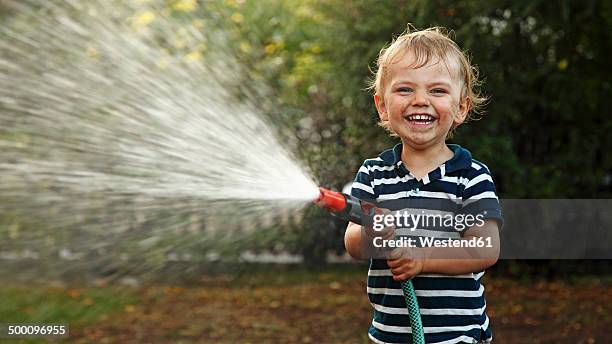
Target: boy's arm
(352,240)
(356,234)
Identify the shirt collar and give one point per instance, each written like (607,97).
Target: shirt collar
(393,156)
(462,159)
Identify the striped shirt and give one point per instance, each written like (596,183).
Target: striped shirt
(453,308)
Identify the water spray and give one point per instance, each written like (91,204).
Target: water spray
(146,115)
(361,212)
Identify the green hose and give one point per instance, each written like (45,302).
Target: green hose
(418,337)
(353,209)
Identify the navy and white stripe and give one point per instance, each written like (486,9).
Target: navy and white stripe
(453,308)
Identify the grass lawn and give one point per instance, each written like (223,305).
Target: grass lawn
(282,306)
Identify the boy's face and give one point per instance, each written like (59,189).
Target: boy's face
(421,105)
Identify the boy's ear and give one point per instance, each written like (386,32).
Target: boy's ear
(464,108)
(381,108)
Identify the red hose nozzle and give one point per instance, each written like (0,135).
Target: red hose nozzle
(331,200)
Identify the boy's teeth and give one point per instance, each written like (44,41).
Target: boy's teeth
(426,118)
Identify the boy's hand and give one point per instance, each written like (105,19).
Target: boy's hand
(371,236)
(386,233)
(403,268)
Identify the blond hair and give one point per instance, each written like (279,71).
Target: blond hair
(431,44)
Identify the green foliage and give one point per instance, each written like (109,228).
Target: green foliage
(544,133)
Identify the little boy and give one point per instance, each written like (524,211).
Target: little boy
(423,90)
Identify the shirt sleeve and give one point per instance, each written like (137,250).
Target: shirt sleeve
(480,197)
(362,187)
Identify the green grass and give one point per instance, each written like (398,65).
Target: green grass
(21,304)
(259,303)
(76,307)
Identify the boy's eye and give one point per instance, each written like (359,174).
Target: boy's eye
(404,89)
(439,90)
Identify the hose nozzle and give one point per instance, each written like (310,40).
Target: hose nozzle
(331,200)
(346,207)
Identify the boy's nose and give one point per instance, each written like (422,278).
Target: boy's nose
(420,99)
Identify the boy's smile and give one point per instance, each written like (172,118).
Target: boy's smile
(421,104)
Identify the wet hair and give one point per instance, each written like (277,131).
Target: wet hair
(432,44)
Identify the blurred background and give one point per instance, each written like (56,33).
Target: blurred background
(545,134)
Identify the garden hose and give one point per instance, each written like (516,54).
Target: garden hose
(416,326)
(357,211)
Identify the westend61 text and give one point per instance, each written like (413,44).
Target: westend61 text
(474,242)
(413,221)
